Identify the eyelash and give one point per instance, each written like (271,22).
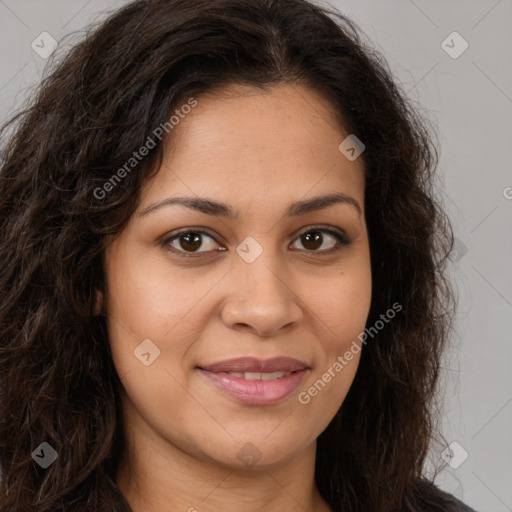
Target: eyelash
(341,240)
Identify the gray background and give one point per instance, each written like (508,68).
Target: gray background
(469,100)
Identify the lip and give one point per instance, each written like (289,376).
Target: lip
(256,392)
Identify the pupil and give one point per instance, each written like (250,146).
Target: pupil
(190,240)
(313,237)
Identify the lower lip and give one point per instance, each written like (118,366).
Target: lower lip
(256,392)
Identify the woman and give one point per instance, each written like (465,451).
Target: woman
(174,339)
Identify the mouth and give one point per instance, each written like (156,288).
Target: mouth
(257,375)
(256,382)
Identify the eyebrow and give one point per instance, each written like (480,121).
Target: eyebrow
(218,209)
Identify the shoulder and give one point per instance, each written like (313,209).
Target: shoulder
(428,497)
(454,503)
(462,507)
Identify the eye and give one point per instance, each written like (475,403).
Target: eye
(187,242)
(314,239)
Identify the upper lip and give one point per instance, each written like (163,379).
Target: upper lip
(251,364)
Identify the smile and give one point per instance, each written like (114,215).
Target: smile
(256,388)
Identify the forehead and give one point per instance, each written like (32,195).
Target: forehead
(241,143)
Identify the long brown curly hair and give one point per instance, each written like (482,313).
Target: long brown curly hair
(96,106)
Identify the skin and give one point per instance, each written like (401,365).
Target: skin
(257,152)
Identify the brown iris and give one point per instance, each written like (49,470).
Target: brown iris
(192,241)
(312,237)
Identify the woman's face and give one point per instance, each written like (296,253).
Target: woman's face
(268,281)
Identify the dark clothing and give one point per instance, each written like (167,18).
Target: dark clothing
(463,507)
(452,500)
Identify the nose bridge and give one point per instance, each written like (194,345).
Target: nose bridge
(259,295)
(258,270)
(264,274)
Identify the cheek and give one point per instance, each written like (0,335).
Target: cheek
(145,302)
(149,298)
(340,313)
(340,305)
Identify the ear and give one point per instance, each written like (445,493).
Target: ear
(98,304)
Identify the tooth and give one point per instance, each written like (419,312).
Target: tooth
(252,375)
(273,375)
(257,375)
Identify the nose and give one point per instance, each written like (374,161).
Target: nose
(261,297)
